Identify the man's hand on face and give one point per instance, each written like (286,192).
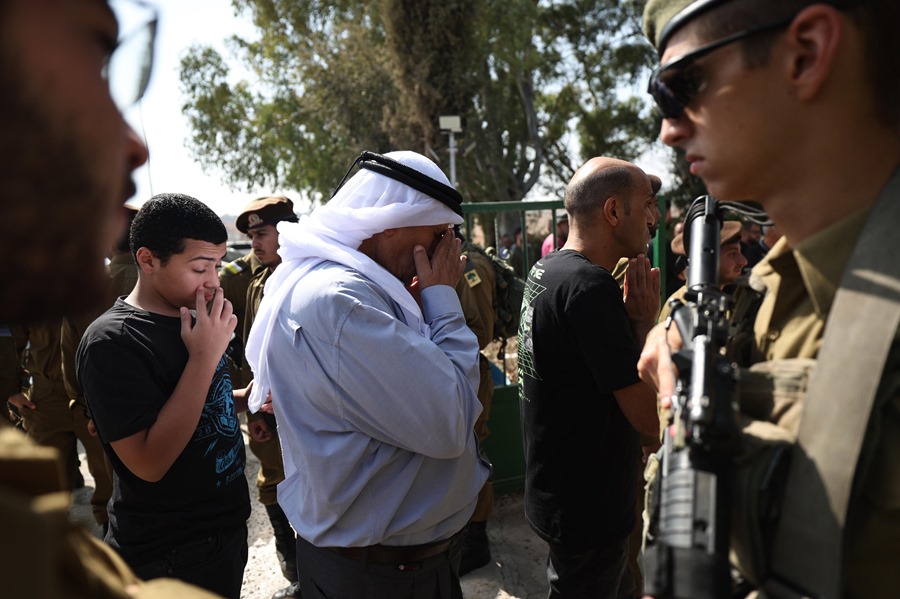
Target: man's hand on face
(209,336)
(446,265)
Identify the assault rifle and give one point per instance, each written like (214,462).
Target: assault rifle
(686,552)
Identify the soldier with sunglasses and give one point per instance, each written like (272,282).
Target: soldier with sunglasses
(796,104)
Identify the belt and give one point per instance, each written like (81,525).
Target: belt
(395,554)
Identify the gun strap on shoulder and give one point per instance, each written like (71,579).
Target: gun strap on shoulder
(861,326)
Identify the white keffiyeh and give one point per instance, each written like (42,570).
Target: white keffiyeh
(367,204)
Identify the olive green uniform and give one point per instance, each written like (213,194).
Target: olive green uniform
(801,285)
(247,276)
(50,556)
(244,282)
(53,423)
(476,295)
(271,466)
(234,278)
(10,371)
(666,309)
(123,272)
(123,277)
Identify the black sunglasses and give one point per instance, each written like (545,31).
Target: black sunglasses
(674,85)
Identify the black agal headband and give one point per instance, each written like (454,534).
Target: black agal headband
(389,167)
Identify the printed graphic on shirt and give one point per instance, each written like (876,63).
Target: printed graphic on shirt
(218,428)
(525,343)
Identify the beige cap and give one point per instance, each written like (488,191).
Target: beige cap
(731,230)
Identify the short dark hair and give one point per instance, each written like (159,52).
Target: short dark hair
(877,19)
(164,223)
(587,194)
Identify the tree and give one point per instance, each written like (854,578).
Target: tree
(539,85)
(310,107)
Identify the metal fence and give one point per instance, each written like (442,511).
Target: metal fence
(486,210)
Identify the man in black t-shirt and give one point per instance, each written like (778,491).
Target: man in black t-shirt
(582,401)
(156,381)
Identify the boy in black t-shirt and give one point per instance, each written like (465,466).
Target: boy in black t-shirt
(582,401)
(155,379)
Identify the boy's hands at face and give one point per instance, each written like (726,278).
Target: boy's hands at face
(210,334)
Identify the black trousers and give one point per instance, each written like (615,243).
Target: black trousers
(590,572)
(215,562)
(325,574)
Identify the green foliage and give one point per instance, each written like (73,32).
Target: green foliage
(318,100)
(540,85)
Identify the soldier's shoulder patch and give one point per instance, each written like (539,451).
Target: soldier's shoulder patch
(232,268)
(472,278)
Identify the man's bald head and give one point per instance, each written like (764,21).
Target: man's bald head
(598,179)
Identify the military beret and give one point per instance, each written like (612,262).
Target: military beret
(663,17)
(265,211)
(731,231)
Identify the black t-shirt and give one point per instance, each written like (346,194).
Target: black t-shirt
(575,348)
(129,362)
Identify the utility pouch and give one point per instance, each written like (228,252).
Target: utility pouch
(771,399)
(760,472)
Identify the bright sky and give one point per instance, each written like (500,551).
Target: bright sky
(158,117)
